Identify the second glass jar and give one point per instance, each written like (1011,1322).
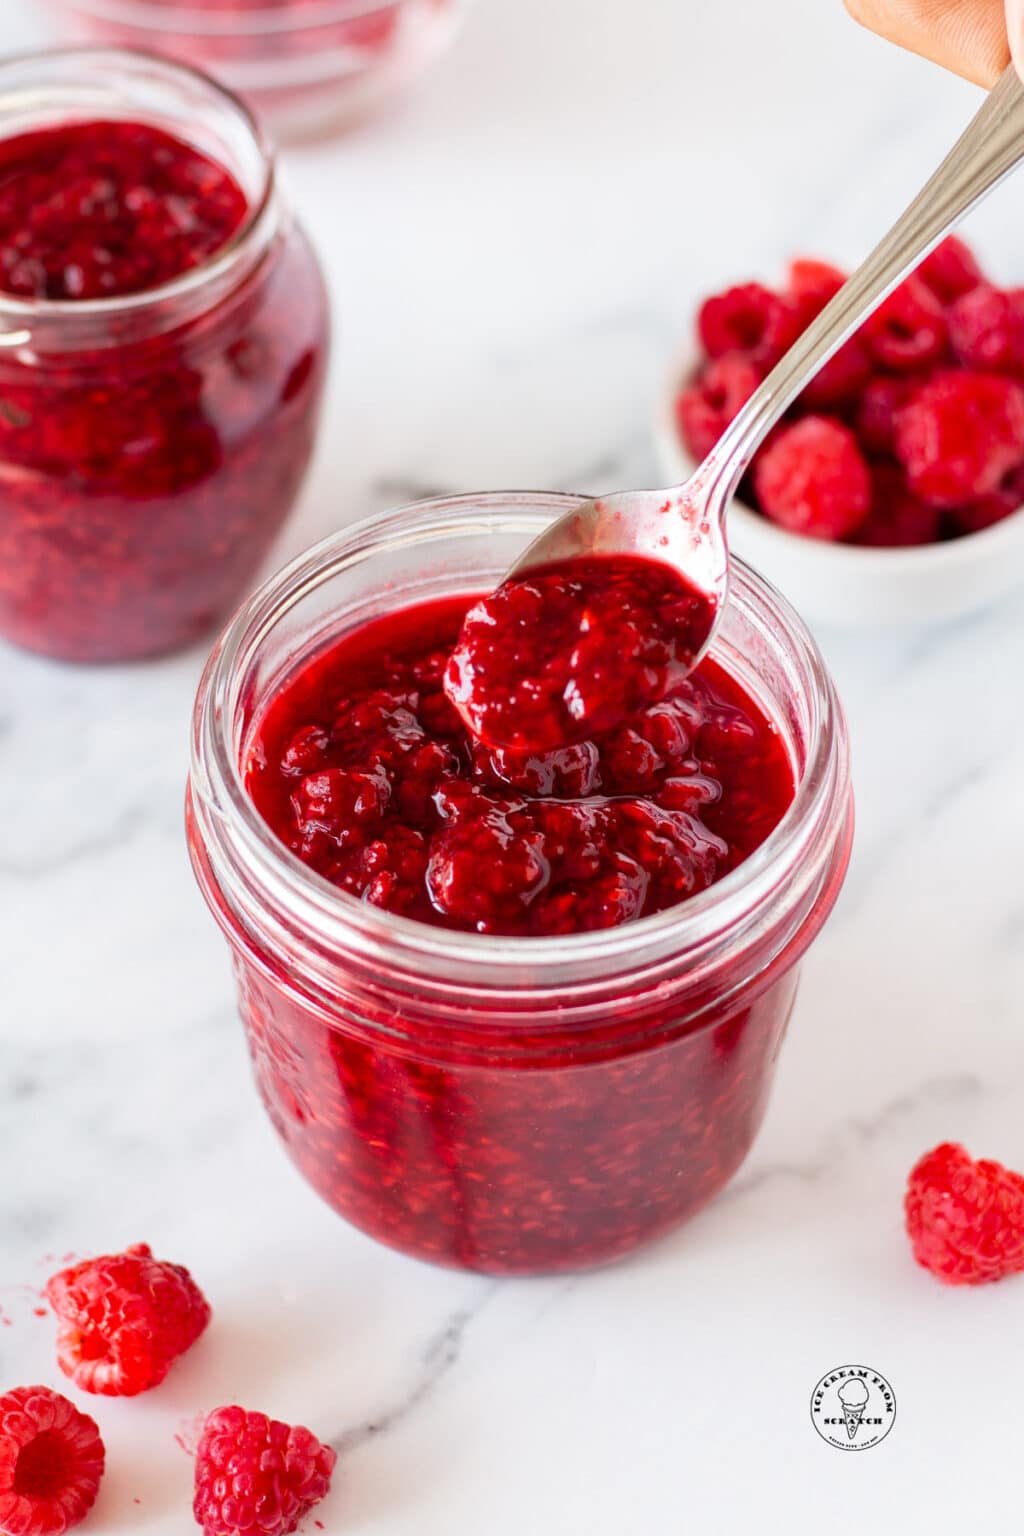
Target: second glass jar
(151,445)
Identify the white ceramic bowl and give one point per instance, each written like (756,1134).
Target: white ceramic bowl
(845,583)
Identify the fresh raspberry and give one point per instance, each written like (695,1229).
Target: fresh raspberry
(965,1219)
(812,284)
(749,318)
(908,331)
(875,422)
(812,478)
(960,435)
(51,1463)
(950,270)
(123,1320)
(256,1476)
(705,409)
(897,519)
(986,330)
(976,516)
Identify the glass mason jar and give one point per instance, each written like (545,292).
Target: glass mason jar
(151,445)
(309,67)
(515,1106)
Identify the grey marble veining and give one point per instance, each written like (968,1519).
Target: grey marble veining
(523,343)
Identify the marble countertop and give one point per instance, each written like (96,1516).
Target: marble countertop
(513,256)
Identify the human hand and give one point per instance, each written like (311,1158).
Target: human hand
(971,37)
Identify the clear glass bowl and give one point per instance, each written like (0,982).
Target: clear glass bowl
(515,1106)
(309,67)
(152,445)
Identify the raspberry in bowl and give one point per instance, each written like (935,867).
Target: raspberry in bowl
(308,67)
(891,491)
(165,331)
(511,1011)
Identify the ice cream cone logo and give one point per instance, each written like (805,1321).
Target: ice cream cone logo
(853,1395)
(853,1407)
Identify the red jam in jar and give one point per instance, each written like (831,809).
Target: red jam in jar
(365,771)
(572,650)
(165,334)
(511,1011)
(307,66)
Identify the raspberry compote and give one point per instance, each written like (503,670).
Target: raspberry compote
(307,66)
(572,650)
(512,1011)
(166,331)
(368,775)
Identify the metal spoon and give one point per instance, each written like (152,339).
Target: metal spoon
(684,526)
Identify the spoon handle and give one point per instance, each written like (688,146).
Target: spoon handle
(989,149)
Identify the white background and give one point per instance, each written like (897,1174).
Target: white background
(512,258)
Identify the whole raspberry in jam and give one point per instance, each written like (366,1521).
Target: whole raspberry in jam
(569,650)
(705,409)
(256,1476)
(960,435)
(96,209)
(812,479)
(51,1463)
(908,330)
(123,1319)
(748,318)
(986,330)
(965,1219)
(950,270)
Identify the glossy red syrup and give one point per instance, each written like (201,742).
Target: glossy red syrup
(104,209)
(575,649)
(148,459)
(363,768)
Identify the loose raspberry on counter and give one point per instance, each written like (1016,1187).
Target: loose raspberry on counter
(965,1219)
(986,330)
(950,270)
(705,409)
(256,1476)
(960,435)
(748,318)
(124,1319)
(51,1463)
(909,330)
(813,479)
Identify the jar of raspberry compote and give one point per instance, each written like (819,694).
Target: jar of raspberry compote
(309,67)
(526,1098)
(163,341)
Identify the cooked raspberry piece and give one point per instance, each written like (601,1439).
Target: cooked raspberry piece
(256,1476)
(122,1320)
(749,318)
(950,270)
(960,435)
(705,409)
(51,1463)
(909,330)
(812,479)
(965,1219)
(986,330)
(897,519)
(555,655)
(883,396)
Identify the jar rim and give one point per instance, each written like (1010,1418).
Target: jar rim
(225,810)
(261,20)
(255,228)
